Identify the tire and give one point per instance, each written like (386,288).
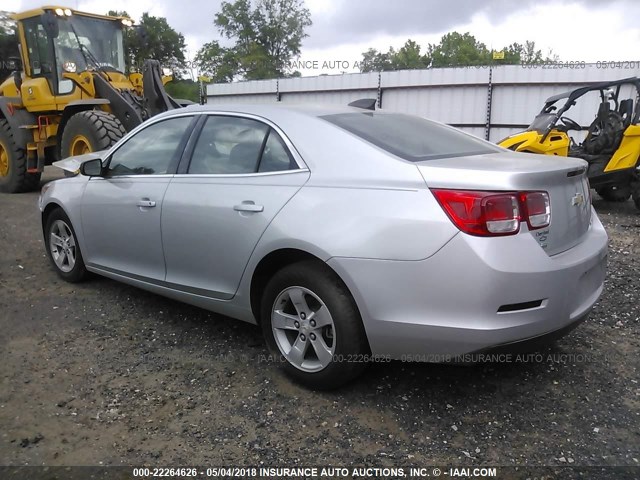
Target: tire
(334,346)
(635,187)
(90,131)
(14,177)
(615,193)
(64,254)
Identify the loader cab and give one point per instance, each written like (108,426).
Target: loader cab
(57,44)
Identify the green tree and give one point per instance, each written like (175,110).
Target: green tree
(153,38)
(216,62)
(529,55)
(267,35)
(456,49)
(512,54)
(409,57)
(375,61)
(406,58)
(186,89)
(526,54)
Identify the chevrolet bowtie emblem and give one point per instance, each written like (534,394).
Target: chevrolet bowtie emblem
(577,200)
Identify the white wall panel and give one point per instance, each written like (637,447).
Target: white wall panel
(450,95)
(445,104)
(331,97)
(477,131)
(519,104)
(243,88)
(246,99)
(435,76)
(329,82)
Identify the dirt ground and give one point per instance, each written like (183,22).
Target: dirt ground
(101,373)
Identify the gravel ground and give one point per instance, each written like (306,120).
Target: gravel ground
(103,373)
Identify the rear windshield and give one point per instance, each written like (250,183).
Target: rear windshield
(409,137)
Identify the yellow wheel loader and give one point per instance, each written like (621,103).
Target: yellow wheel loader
(69,94)
(611,145)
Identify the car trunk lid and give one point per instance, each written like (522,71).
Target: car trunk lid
(564,179)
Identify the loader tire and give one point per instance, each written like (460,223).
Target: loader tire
(14,177)
(90,131)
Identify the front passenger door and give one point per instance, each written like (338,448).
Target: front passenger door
(121,210)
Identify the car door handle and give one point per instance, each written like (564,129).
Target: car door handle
(248,206)
(145,202)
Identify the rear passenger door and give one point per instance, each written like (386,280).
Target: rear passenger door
(238,174)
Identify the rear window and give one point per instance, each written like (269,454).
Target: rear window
(409,137)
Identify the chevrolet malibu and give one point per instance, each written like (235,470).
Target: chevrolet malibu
(347,234)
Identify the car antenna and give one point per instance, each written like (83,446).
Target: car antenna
(365,103)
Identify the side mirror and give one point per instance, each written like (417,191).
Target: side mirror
(91,168)
(50,23)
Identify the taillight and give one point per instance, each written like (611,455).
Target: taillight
(491,214)
(537,209)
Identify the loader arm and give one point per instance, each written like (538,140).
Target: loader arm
(124,105)
(156,97)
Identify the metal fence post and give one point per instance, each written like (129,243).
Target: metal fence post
(487,125)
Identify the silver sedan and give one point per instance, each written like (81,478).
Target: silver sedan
(347,234)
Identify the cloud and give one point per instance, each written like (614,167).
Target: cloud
(567,26)
(360,20)
(363,20)
(192,18)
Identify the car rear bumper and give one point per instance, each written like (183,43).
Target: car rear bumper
(475,294)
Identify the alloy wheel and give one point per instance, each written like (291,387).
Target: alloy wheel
(303,329)
(63,246)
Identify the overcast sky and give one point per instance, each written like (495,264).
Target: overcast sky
(589,30)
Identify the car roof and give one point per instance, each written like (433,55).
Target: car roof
(280,113)
(270,110)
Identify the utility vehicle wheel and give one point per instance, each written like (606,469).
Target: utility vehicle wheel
(62,247)
(90,131)
(615,194)
(13,164)
(312,326)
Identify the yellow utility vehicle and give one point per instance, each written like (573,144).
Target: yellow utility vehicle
(69,94)
(612,141)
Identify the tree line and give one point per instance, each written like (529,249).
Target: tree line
(263,38)
(454,50)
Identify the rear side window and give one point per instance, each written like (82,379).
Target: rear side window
(235,145)
(409,137)
(276,156)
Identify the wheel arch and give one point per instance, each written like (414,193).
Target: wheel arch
(51,206)
(273,262)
